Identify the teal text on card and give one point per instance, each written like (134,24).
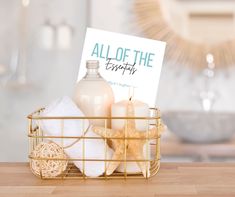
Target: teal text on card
(122,54)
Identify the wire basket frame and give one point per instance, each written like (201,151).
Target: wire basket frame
(36,136)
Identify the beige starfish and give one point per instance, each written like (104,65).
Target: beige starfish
(123,147)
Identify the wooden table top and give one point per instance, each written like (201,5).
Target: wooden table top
(173,179)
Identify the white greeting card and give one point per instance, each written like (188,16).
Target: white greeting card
(125,61)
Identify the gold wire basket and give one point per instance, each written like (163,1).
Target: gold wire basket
(36,136)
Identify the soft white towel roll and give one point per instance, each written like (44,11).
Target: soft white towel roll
(94,148)
(68,127)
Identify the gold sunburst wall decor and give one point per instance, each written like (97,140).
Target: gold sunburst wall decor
(181,51)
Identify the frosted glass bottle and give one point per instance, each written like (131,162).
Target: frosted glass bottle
(93,95)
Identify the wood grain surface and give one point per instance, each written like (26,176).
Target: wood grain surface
(173,179)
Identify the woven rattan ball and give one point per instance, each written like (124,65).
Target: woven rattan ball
(48,168)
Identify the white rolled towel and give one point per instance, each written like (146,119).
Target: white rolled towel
(71,127)
(94,148)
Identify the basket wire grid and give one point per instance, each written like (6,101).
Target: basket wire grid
(152,158)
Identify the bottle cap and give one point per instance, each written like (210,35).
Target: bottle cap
(92,64)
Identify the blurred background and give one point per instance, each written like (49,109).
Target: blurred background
(40,48)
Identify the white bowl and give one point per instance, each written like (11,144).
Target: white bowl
(201,127)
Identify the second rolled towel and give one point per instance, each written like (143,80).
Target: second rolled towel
(94,149)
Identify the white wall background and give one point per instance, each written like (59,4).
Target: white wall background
(53,73)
